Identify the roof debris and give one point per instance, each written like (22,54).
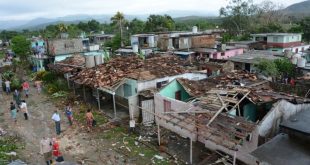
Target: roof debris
(116,70)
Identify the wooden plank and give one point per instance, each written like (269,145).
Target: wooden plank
(217,113)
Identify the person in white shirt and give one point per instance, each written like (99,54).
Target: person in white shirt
(56,118)
(24,109)
(46,150)
(7,86)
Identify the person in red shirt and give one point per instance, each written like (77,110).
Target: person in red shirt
(292,82)
(26,88)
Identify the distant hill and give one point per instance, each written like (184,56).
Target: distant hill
(40,23)
(302,9)
(198,18)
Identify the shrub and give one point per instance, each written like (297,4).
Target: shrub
(49,77)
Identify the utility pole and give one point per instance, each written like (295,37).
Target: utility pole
(121,29)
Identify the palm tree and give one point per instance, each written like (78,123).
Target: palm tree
(118,19)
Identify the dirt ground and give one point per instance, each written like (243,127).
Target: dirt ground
(104,146)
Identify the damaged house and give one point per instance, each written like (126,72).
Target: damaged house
(234,113)
(122,79)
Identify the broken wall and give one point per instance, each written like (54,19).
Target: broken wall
(65,46)
(280,111)
(204,41)
(176,105)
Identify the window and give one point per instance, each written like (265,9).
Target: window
(161,84)
(167,106)
(275,39)
(223,54)
(178,95)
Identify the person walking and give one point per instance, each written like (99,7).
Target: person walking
(56,119)
(69,114)
(16,97)
(46,150)
(24,109)
(38,85)
(7,86)
(89,119)
(26,88)
(13,112)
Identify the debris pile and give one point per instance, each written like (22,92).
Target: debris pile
(2,132)
(108,74)
(112,73)
(70,64)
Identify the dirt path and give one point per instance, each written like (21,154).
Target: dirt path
(76,144)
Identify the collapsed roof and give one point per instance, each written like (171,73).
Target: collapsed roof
(70,64)
(112,73)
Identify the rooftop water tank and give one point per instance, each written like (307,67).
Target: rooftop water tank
(195,29)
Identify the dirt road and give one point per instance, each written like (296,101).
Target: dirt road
(76,145)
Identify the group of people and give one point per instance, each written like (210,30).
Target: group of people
(19,103)
(69,114)
(49,148)
(25,86)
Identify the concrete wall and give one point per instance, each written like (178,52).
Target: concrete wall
(297,49)
(185,42)
(226,54)
(124,90)
(175,106)
(142,85)
(65,46)
(276,39)
(282,110)
(133,103)
(204,41)
(172,88)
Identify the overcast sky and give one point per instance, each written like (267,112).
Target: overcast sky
(29,9)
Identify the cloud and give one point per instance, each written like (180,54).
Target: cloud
(30,9)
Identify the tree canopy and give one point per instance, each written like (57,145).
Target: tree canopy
(21,46)
(157,23)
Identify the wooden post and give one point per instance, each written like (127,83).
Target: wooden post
(191,151)
(235,156)
(84,93)
(67,76)
(158,133)
(98,97)
(114,106)
(74,88)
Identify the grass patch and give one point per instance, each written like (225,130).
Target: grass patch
(9,144)
(2,54)
(120,140)
(80,112)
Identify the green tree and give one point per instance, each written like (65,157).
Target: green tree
(83,26)
(94,25)
(267,67)
(270,28)
(157,23)
(73,31)
(21,46)
(136,26)
(238,15)
(284,66)
(305,26)
(115,43)
(119,20)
